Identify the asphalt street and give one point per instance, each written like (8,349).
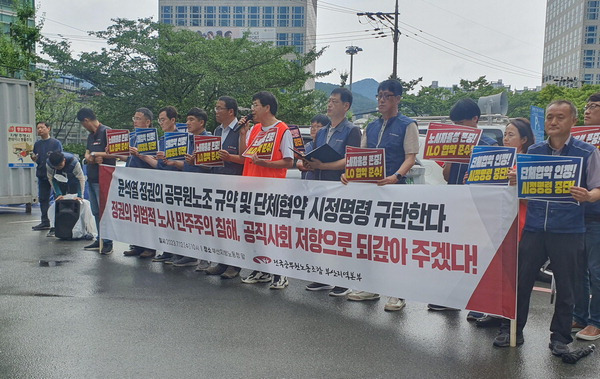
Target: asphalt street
(70,313)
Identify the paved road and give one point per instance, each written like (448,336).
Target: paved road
(92,316)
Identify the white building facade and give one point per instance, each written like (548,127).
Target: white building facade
(572,43)
(282,22)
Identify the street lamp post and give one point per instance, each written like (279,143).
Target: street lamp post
(352,50)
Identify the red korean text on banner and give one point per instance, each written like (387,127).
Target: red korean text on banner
(589,134)
(206,151)
(297,138)
(450,143)
(263,145)
(365,165)
(117,141)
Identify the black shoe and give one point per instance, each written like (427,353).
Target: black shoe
(50,233)
(107,248)
(488,321)
(503,339)
(133,252)
(41,226)
(93,246)
(216,270)
(163,257)
(559,348)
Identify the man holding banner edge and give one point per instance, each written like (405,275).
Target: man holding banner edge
(555,231)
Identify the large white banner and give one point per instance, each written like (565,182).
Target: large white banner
(448,245)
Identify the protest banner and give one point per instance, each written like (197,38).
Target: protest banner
(365,165)
(20,140)
(548,177)
(297,138)
(262,145)
(176,145)
(117,141)
(537,120)
(490,164)
(450,143)
(589,134)
(181,127)
(146,140)
(206,151)
(404,241)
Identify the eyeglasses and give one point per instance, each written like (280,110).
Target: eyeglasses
(384,96)
(591,107)
(253,106)
(161,120)
(218,109)
(136,119)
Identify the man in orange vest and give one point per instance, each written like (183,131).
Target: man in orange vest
(264,109)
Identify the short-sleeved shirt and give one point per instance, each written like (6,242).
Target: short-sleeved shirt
(96,142)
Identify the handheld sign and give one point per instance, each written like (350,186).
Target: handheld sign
(175,145)
(297,138)
(365,165)
(117,141)
(181,127)
(537,119)
(146,141)
(490,164)
(589,134)
(548,177)
(450,143)
(206,151)
(263,145)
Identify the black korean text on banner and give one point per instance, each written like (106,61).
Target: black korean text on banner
(263,145)
(206,151)
(365,165)
(404,241)
(450,143)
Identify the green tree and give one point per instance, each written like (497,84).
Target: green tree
(17,49)
(151,64)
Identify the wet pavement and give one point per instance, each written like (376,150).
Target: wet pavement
(70,313)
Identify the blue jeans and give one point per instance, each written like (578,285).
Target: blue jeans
(95,204)
(587,311)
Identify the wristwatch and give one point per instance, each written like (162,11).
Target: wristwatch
(93,153)
(399,177)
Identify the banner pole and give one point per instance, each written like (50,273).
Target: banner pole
(513,333)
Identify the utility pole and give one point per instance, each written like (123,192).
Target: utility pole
(387,17)
(352,50)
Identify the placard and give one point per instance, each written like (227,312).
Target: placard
(450,143)
(365,165)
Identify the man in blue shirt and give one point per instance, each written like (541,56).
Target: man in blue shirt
(555,231)
(338,134)
(41,150)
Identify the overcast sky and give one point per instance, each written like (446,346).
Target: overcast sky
(504,38)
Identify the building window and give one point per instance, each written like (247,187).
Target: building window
(298,17)
(180,16)
(588,78)
(166,14)
(282,39)
(224,16)
(268,20)
(210,16)
(593,9)
(591,35)
(298,41)
(253,17)
(589,58)
(283,17)
(239,14)
(194,16)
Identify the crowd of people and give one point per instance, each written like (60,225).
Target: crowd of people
(567,234)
